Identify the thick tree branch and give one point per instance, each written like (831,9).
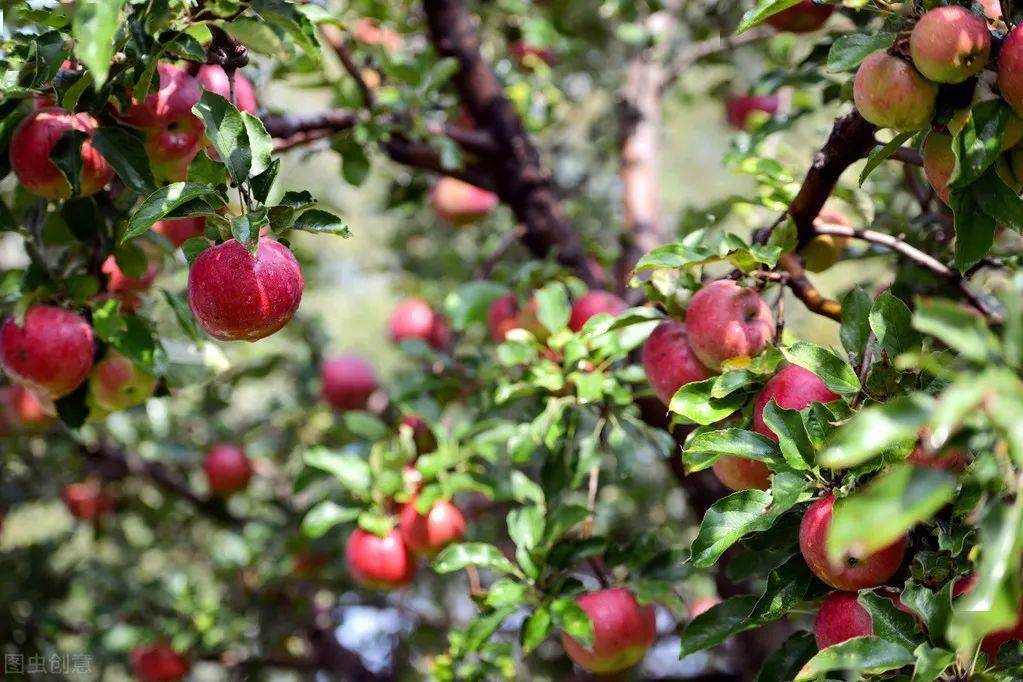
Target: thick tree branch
(805,290)
(519,178)
(293,124)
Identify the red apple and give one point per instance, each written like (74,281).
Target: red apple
(793,388)
(506,314)
(525,54)
(158,663)
(30,149)
(422,436)
(993,641)
(1010,70)
(173,133)
(950,44)
(805,17)
(117,281)
(939,162)
(741,473)
(369,32)
(87,501)
(21,410)
(738,109)
(239,296)
(890,93)
(415,319)
(726,321)
(856,573)
(669,362)
(379,562)
(117,383)
(593,303)
(839,618)
(623,630)
(701,605)
(949,459)
(347,382)
(227,468)
(213,78)
(460,203)
(51,353)
(180,230)
(427,534)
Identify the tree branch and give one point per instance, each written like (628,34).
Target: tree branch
(293,124)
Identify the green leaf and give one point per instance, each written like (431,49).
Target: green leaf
(931,663)
(94,28)
(763,10)
(506,592)
(889,622)
(785,662)
(879,155)
(483,627)
(164,200)
(876,428)
(228,132)
(571,618)
(353,472)
(260,144)
(126,154)
(874,517)
(553,307)
(786,588)
(933,608)
(561,520)
(957,328)
(205,171)
(860,654)
(470,302)
(891,322)
(998,201)
(526,526)
(366,425)
(979,143)
(849,51)
(536,628)
(793,440)
(832,369)
(374,522)
(855,329)
(728,521)
(704,448)
(975,229)
(319,221)
(261,184)
(694,402)
(66,155)
(324,516)
(717,624)
(458,556)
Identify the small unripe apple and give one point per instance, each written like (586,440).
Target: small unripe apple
(739,109)
(415,319)
(213,78)
(227,468)
(993,641)
(22,411)
(180,230)
(950,44)
(741,473)
(890,93)
(427,534)
(347,382)
(118,282)
(34,140)
(839,618)
(87,501)
(623,630)
(173,133)
(805,17)
(793,388)
(726,321)
(824,250)
(460,203)
(669,362)
(379,562)
(855,573)
(593,303)
(1010,70)
(158,663)
(239,296)
(950,459)
(52,352)
(117,383)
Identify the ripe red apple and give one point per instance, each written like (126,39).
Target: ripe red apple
(173,133)
(379,562)
(738,109)
(623,630)
(180,230)
(993,641)
(51,353)
(117,281)
(824,250)
(949,459)
(460,203)
(725,321)
(427,534)
(524,54)
(238,296)
(593,303)
(213,78)
(158,663)
(939,161)
(21,411)
(856,573)
(793,388)
(415,319)
(890,93)
(950,44)
(506,314)
(87,501)
(117,383)
(839,618)
(1010,70)
(805,17)
(741,473)
(669,362)
(227,468)
(347,382)
(368,32)
(422,436)
(30,149)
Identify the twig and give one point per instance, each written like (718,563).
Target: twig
(490,262)
(338,43)
(708,48)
